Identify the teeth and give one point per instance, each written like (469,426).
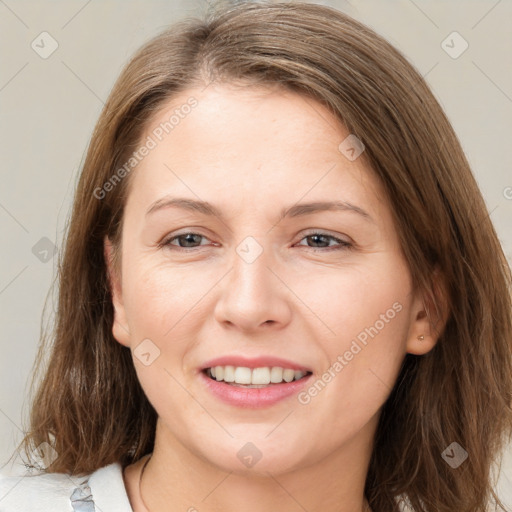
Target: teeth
(242,375)
(255,376)
(229,374)
(276,375)
(288,375)
(260,376)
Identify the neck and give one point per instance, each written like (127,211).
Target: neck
(175,475)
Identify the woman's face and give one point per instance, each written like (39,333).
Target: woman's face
(321,289)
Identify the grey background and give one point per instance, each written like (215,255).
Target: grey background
(49,107)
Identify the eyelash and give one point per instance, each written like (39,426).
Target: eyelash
(344,245)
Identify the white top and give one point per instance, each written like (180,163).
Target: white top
(100,491)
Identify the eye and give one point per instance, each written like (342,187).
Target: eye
(188,239)
(325,238)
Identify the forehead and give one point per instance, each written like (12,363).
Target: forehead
(259,142)
(226,113)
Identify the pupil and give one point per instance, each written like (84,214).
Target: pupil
(316,237)
(189,238)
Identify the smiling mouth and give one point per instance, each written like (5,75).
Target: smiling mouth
(244,377)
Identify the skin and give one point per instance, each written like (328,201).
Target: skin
(251,152)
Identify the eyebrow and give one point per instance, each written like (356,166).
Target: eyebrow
(295,210)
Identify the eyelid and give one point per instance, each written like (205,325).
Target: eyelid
(322,232)
(342,243)
(166,241)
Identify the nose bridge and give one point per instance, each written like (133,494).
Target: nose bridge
(251,280)
(251,264)
(252,295)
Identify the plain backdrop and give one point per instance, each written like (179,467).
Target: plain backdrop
(50,103)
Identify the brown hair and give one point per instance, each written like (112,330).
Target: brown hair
(89,404)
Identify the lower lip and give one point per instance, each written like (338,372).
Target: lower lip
(253,397)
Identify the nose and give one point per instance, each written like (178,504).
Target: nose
(253,296)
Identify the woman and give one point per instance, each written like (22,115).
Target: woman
(281,289)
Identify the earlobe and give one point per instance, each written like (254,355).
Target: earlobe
(120,329)
(428,317)
(420,339)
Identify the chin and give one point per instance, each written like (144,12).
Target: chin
(257,458)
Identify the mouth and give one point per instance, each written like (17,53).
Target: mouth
(262,377)
(253,382)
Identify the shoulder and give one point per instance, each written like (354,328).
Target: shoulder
(103,490)
(40,491)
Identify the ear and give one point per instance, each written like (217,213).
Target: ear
(120,326)
(429,314)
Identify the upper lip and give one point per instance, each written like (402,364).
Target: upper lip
(254,362)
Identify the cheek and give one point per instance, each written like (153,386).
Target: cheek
(367,313)
(161,299)
(367,309)
(162,309)
(359,302)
